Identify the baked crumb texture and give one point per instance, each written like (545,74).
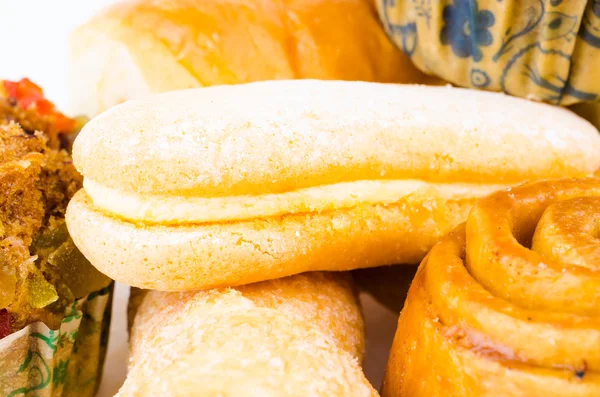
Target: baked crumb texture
(37,180)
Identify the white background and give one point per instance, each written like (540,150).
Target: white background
(33,43)
(33,40)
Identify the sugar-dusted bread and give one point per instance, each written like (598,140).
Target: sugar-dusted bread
(297,336)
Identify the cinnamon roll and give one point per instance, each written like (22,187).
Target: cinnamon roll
(508,304)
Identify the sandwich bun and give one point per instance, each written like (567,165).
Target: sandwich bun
(230,185)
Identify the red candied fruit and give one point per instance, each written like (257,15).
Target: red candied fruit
(29,95)
(4,323)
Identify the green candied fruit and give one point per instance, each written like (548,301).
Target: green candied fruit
(68,139)
(80,122)
(76,271)
(65,265)
(40,292)
(51,239)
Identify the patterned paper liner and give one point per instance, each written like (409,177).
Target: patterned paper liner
(544,50)
(37,361)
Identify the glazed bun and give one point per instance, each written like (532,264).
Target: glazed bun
(135,48)
(507,304)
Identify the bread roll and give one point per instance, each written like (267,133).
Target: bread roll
(508,304)
(229,185)
(297,336)
(135,48)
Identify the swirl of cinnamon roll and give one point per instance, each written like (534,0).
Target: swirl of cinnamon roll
(508,304)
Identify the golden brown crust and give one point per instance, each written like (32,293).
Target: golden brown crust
(519,321)
(298,336)
(282,39)
(36,182)
(236,253)
(158,46)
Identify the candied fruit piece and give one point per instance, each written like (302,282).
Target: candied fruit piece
(40,292)
(5,328)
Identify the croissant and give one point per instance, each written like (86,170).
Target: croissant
(508,304)
(296,336)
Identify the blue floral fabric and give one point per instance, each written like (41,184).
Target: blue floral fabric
(545,50)
(466,28)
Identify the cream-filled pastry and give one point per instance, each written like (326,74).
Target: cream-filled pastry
(230,185)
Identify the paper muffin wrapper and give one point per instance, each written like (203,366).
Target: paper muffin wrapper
(544,50)
(37,361)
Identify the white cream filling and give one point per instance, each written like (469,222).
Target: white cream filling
(153,208)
